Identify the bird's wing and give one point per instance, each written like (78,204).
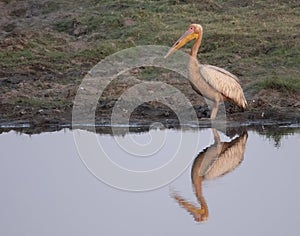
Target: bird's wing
(223,71)
(232,155)
(224,82)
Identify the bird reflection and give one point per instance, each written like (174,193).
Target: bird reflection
(214,161)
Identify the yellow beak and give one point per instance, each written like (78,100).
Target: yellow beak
(184,39)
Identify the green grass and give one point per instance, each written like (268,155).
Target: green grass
(11,59)
(250,38)
(281,84)
(51,6)
(64,25)
(41,103)
(46,49)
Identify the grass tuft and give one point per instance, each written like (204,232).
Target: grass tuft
(281,84)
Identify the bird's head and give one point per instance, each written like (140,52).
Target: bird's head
(193,32)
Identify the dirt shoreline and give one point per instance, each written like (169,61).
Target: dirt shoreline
(48,121)
(266,107)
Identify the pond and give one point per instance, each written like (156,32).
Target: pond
(246,183)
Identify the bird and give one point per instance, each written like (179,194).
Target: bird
(212,82)
(214,161)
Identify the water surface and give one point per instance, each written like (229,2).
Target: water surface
(46,188)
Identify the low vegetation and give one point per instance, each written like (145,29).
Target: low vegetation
(58,41)
(285,85)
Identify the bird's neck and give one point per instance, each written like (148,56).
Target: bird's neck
(194,66)
(197,179)
(196,45)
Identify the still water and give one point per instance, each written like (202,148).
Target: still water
(247,184)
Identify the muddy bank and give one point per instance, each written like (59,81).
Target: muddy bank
(19,107)
(34,121)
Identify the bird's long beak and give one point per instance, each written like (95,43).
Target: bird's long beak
(184,39)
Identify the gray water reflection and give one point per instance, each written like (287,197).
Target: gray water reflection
(46,190)
(214,161)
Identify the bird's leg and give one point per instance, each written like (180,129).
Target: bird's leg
(216,136)
(214,110)
(218,142)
